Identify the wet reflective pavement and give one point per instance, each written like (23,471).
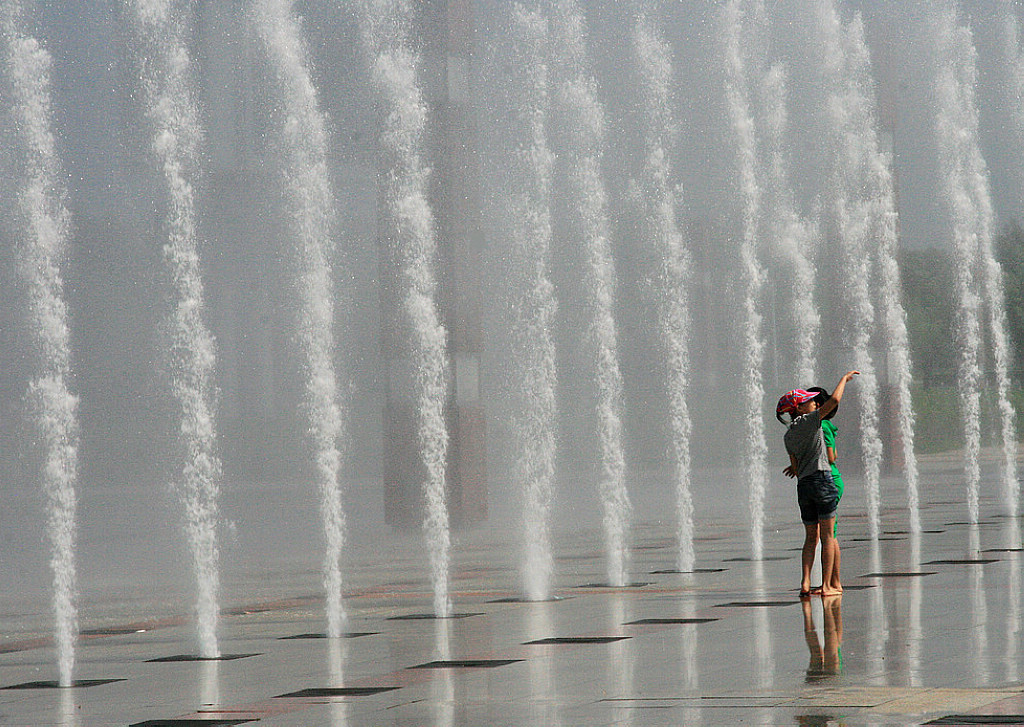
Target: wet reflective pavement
(928,631)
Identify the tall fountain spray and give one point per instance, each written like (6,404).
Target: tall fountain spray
(877,210)
(898,351)
(894,318)
(579,152)
(793,239)
(42,224)
(531,299)
(850,116)
(659,229)
(167,86)
(979,276)
(995,303)
(867,207)
(737,93)
(310,199)
(1015,96)
(393,70)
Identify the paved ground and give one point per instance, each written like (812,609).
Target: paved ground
(929,627)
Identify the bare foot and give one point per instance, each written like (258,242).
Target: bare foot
(826,592)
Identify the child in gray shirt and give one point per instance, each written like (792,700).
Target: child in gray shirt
(817,494)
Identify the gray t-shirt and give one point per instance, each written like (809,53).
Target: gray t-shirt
(806,442)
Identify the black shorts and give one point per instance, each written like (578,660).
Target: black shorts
(817,496)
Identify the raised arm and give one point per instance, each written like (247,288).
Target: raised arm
(837,394)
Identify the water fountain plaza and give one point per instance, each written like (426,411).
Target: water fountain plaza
(460,313)
(728,644)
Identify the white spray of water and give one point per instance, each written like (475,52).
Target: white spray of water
(172,112)
(898,344)
(979,276)
(994,286)
(307,184)
(895,318)
(876,206)
(854,201)
(753,274)
(794,239)
(43,223)
(581,142)
(532,304)
(653,61)
(393,64)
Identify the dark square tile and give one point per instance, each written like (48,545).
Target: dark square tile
(668,621)
(963,719)
(336,692)
(193,657)
(466,664)
(349,635)
(113,631)
(577,640)
(429,617)
(755,604)
(75,684)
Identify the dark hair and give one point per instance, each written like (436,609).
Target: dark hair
(821,396)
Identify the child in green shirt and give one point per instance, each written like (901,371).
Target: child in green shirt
(829,431)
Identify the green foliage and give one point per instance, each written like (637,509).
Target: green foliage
(927,280)
(1010,250)
(939,425)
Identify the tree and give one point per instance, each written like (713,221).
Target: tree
(1010,251)
(927,279)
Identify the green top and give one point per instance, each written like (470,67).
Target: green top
(828,431)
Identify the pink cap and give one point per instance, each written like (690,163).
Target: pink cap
(792,399)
